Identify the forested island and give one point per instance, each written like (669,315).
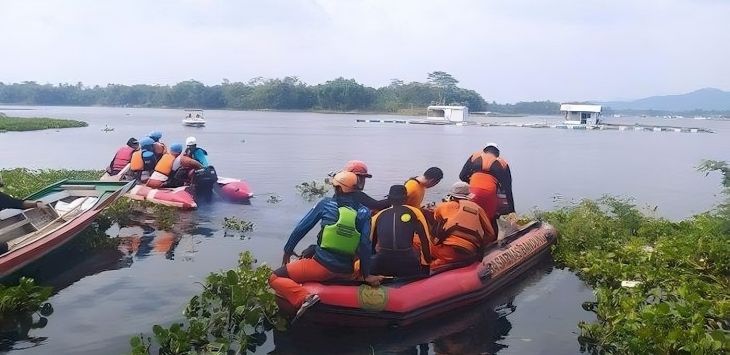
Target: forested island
(288,93)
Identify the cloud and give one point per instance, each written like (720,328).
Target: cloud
(506,50)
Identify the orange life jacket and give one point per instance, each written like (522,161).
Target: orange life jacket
(483,178)
(136,164)
(460,219)
(164,166)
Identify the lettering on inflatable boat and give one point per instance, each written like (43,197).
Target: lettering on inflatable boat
(514,254)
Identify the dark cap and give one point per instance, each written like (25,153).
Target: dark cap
(397,193)
(132,142)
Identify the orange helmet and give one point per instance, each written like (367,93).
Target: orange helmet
(347,181)
(358,167)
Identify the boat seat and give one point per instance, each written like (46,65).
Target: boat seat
(16,227)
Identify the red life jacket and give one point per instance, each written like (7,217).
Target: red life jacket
(122,158)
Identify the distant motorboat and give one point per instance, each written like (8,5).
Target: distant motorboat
(107,128)
(194,118)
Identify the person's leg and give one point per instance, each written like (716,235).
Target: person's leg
(287,280)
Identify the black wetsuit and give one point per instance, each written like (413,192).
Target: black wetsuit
(393,243)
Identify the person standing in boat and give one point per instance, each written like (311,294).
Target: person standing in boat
(462,229)
(158,147)
(122,157)
(392,237)
(143,160)
(192,150)
(344,235)
(416,186)
(359,168)
(486,172)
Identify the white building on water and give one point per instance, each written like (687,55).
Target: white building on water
(581,114)
(448,113)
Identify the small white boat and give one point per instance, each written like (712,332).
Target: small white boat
(193,118)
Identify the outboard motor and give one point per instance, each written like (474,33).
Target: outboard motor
(204,180)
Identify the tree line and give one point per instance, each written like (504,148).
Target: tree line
(288,93)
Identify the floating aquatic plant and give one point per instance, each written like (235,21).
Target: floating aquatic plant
(273,199)
(235,224)
(312,190)
(230,315)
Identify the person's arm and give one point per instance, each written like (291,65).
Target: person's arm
(364,249)
(7,201)
(304,226)
(370,202)
(466,171)
(420,230)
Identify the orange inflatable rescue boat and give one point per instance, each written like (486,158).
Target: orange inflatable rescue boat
(403,302)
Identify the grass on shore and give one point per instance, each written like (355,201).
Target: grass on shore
(21,124)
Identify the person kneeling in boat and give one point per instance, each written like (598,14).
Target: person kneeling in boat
(143,160)
(192,150)
(345,234)
(487,173)
(416,186)
(122,157)
(392,237)
(165,168)
(462,229)
(158,147)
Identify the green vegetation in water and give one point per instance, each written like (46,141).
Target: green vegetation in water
(273,199)
(24,297)
(126,211)
(231,315)
(36,123)
(235,224)
(21,182)
(661,286)
(313,190)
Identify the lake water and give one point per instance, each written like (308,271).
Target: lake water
(103,298)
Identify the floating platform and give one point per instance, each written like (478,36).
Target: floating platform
(583,127)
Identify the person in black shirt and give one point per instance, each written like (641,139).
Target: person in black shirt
(392,238)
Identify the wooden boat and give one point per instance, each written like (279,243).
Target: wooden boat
(405,302)
(72,206)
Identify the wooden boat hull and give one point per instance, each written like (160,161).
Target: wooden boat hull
(402,304)
(27,253)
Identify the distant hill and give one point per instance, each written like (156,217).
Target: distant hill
(708,99)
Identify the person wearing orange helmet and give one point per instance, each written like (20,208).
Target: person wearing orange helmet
(359,168)
(344,234)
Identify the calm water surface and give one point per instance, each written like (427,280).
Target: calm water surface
(103,298)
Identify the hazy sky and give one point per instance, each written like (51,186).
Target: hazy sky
(506,50)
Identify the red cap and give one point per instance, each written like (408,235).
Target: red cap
(357,167)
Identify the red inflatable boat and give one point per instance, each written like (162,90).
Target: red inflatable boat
(232,190)
(403,303)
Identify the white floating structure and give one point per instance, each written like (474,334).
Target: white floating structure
(447,113)
(581,114)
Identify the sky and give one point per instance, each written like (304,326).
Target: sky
(508,51)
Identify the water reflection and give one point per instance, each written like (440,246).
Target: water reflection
(478,329)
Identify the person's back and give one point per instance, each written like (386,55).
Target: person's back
(416,186)
(122,157)
(158,148)
(392,237)
(462,228)
(143,161)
